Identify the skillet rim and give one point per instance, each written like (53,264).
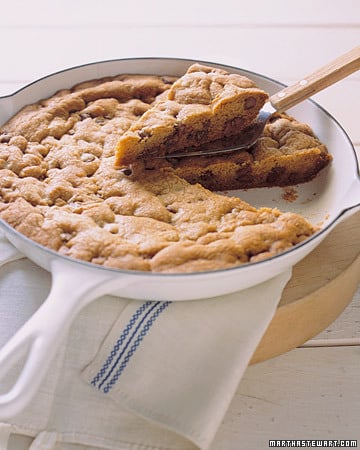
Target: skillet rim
(316,236)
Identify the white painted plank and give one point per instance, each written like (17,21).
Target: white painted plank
(82,13)
(347,325)
(304,394)
(292,52)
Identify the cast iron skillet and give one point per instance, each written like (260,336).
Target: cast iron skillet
(327,200)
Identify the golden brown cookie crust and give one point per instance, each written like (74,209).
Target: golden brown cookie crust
(59,187)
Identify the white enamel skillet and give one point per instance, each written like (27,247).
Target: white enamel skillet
(327,200)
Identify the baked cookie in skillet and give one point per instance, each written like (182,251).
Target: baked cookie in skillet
(59,186)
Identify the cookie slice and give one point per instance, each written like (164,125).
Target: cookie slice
(203,105)
(287,153)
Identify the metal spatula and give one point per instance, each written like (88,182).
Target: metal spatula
(290,96)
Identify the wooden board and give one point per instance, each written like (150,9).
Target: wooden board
(321,287)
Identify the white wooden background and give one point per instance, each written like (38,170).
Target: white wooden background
(309,393)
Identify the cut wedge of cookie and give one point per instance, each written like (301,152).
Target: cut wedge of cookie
(203,105)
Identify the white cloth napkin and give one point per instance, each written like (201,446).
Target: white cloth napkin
(8,253)
(136,375)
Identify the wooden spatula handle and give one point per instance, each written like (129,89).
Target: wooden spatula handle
(327,75)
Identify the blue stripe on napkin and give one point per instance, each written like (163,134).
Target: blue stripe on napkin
(127,344)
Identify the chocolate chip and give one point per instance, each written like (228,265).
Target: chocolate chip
(231,126)
(126,171)
(173,160)
(5,138)
(84,116)
(250,102)
(167,80)
(273,118)
(275,174)
(149,165)
(144,134)
(87,157)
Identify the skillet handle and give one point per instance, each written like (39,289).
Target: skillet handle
(41,336)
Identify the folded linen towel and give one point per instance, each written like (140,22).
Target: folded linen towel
(149,374)
(8,253)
